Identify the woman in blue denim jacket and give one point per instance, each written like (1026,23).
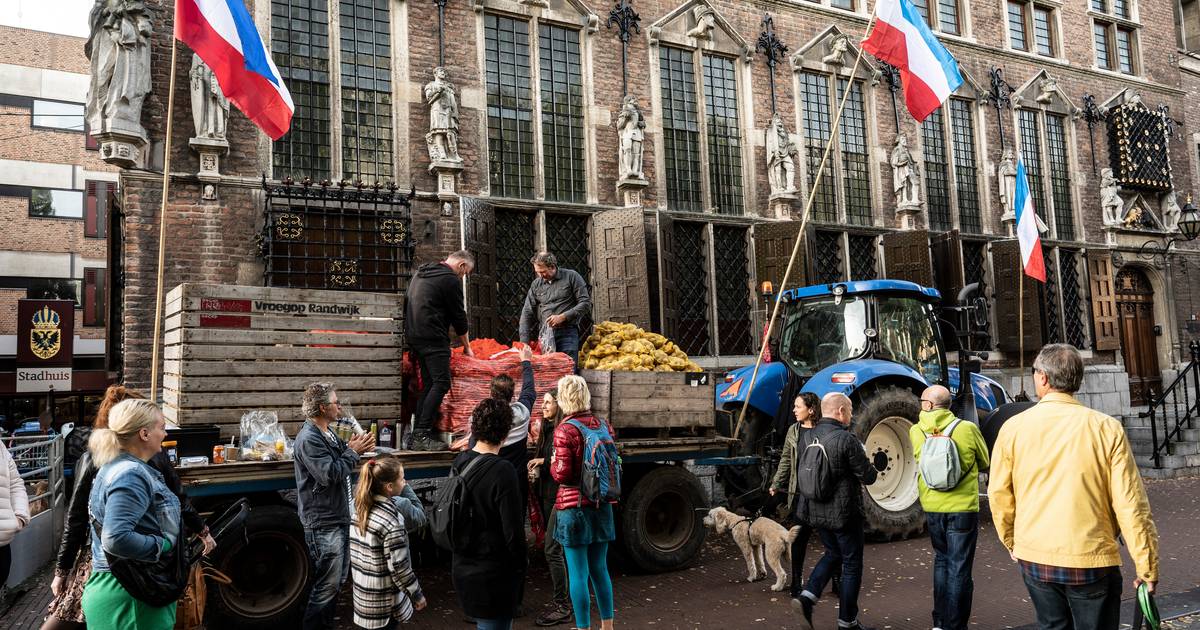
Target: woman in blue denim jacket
(137,514)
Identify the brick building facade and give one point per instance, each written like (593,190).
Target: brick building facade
(540,86)
(53,198)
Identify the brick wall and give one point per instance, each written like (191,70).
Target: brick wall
(37,49)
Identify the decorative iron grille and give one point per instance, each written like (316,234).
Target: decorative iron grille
(1031,152)
(852,138)
(862,257)
(366,90)
(818,126)
(1060,177)
(733,290)
(300,48)
(724,135)
(828,257)
(567,237)
(966,174)
(514,248)
(691,287)
(1138,141)
(1050,305)
(336,237)
(509,106)
(975,270)
(1068,273)
(562,112)
(681,129)
(933,135)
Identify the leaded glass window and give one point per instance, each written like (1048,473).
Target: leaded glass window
(1043,34)
(1031,153)
(862,257)
(1102,52)
(946,18)
(733,290)
(366,90)
(1051,310)
(509,106)
(1031,27)
(933,134)
(1016,26)
(681,129)
(1060,176)
(300,49)
(827,257)
(691,285)
(966,172)
(724,135)
(562,113)
(817,129)
(1121,9)
(514,247)
(1125,50)
(852,136)
(1073,312)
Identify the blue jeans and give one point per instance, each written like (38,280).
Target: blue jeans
(566,339)
(493,624)
(1095,606)
(842,547)
(329,548)
(953,535)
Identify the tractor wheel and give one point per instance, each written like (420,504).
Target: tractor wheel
(882,420)
(744,486)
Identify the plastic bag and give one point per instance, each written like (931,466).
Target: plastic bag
(261,433)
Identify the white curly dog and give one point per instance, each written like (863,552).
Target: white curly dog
(763,543)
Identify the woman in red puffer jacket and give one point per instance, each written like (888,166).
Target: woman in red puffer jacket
(583,528)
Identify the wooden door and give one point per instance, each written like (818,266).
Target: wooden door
(773,244)
(622,290)
(1135,312)
(667,296)
(1006,265)
(906,256)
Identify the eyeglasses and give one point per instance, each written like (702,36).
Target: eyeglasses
(923,401)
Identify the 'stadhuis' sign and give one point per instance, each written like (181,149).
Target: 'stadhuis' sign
(45,345)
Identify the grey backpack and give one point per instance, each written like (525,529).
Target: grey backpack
(940,465)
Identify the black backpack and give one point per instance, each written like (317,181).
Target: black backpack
(450,521)
(814,473)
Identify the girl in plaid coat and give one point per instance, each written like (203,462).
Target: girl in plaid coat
(386,591)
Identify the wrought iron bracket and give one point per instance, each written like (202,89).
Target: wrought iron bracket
(1092,115)
(1000,96)
(891,77)
(627,22)
(773,50)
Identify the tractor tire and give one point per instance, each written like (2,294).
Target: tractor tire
(270,569)
(662,520)
(882,419)
(745,486)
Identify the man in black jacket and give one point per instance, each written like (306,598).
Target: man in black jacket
(838,521)
(433,305)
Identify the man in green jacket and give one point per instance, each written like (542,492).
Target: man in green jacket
(952,515)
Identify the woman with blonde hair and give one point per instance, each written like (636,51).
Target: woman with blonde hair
(74,564)
(582,526)
(136,514)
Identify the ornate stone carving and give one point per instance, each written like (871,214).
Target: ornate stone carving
(781,158)
(631,127)
(442,139)
(1007,173)
(705,23)
(906,177)
(1170,211)
(1046,89)
(838,47)
(1111,205)
(210,108)
(118,48)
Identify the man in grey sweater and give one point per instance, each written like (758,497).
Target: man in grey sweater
(557,302)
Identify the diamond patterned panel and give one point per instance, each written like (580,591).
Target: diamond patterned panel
(827,256)
(1068,272)
(567,236)
(691,284)
(1050,299)
(514,248)
(733,290)
(862,257)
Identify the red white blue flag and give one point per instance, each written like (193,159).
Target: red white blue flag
(224,35)
(1027,228)
(901,38)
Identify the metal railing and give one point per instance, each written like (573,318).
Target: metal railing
(1178,406)
(40,458)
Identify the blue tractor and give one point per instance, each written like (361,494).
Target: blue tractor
(881,343)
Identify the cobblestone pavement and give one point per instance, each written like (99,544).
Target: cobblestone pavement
(713,593)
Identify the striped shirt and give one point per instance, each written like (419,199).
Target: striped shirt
(385,586)
(1069,576)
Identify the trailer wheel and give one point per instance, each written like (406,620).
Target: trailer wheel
(662,526)
(882,421)
(270,571)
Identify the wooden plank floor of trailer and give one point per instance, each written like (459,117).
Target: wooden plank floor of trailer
(249,477)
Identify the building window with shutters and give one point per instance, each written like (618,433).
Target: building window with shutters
(1114,35)
(95,285)
(847,183)
(1044,138)
(951,168)
(95,212)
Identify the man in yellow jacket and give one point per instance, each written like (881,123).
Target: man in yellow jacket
(1063,486)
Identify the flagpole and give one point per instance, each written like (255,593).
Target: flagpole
(812,193)
(1021,329)
(162,230)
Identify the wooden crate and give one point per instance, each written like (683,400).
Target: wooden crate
(653,400)
(231,349)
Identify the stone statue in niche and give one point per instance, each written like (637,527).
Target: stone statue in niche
(631,128)
(1170,212)
(838,47)
(442,139)
(1111,206)
(1007,173)
(706,21)
(208,192)
(1046,89)
(781,158)
(118,48)
(905,175)
(210,108)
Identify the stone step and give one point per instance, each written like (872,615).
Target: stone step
(1149,472)
(1133,421)
(1146,447)
(1143,433)
(1168,461)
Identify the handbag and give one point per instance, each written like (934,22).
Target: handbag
(189,613)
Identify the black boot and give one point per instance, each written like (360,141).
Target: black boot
(426,442)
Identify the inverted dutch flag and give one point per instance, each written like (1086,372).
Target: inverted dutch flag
(223,34)
(901,38)
(1027,229)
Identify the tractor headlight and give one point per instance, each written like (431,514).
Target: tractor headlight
(838,292)
(843,378)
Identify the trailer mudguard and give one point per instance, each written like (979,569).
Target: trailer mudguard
(772,377)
